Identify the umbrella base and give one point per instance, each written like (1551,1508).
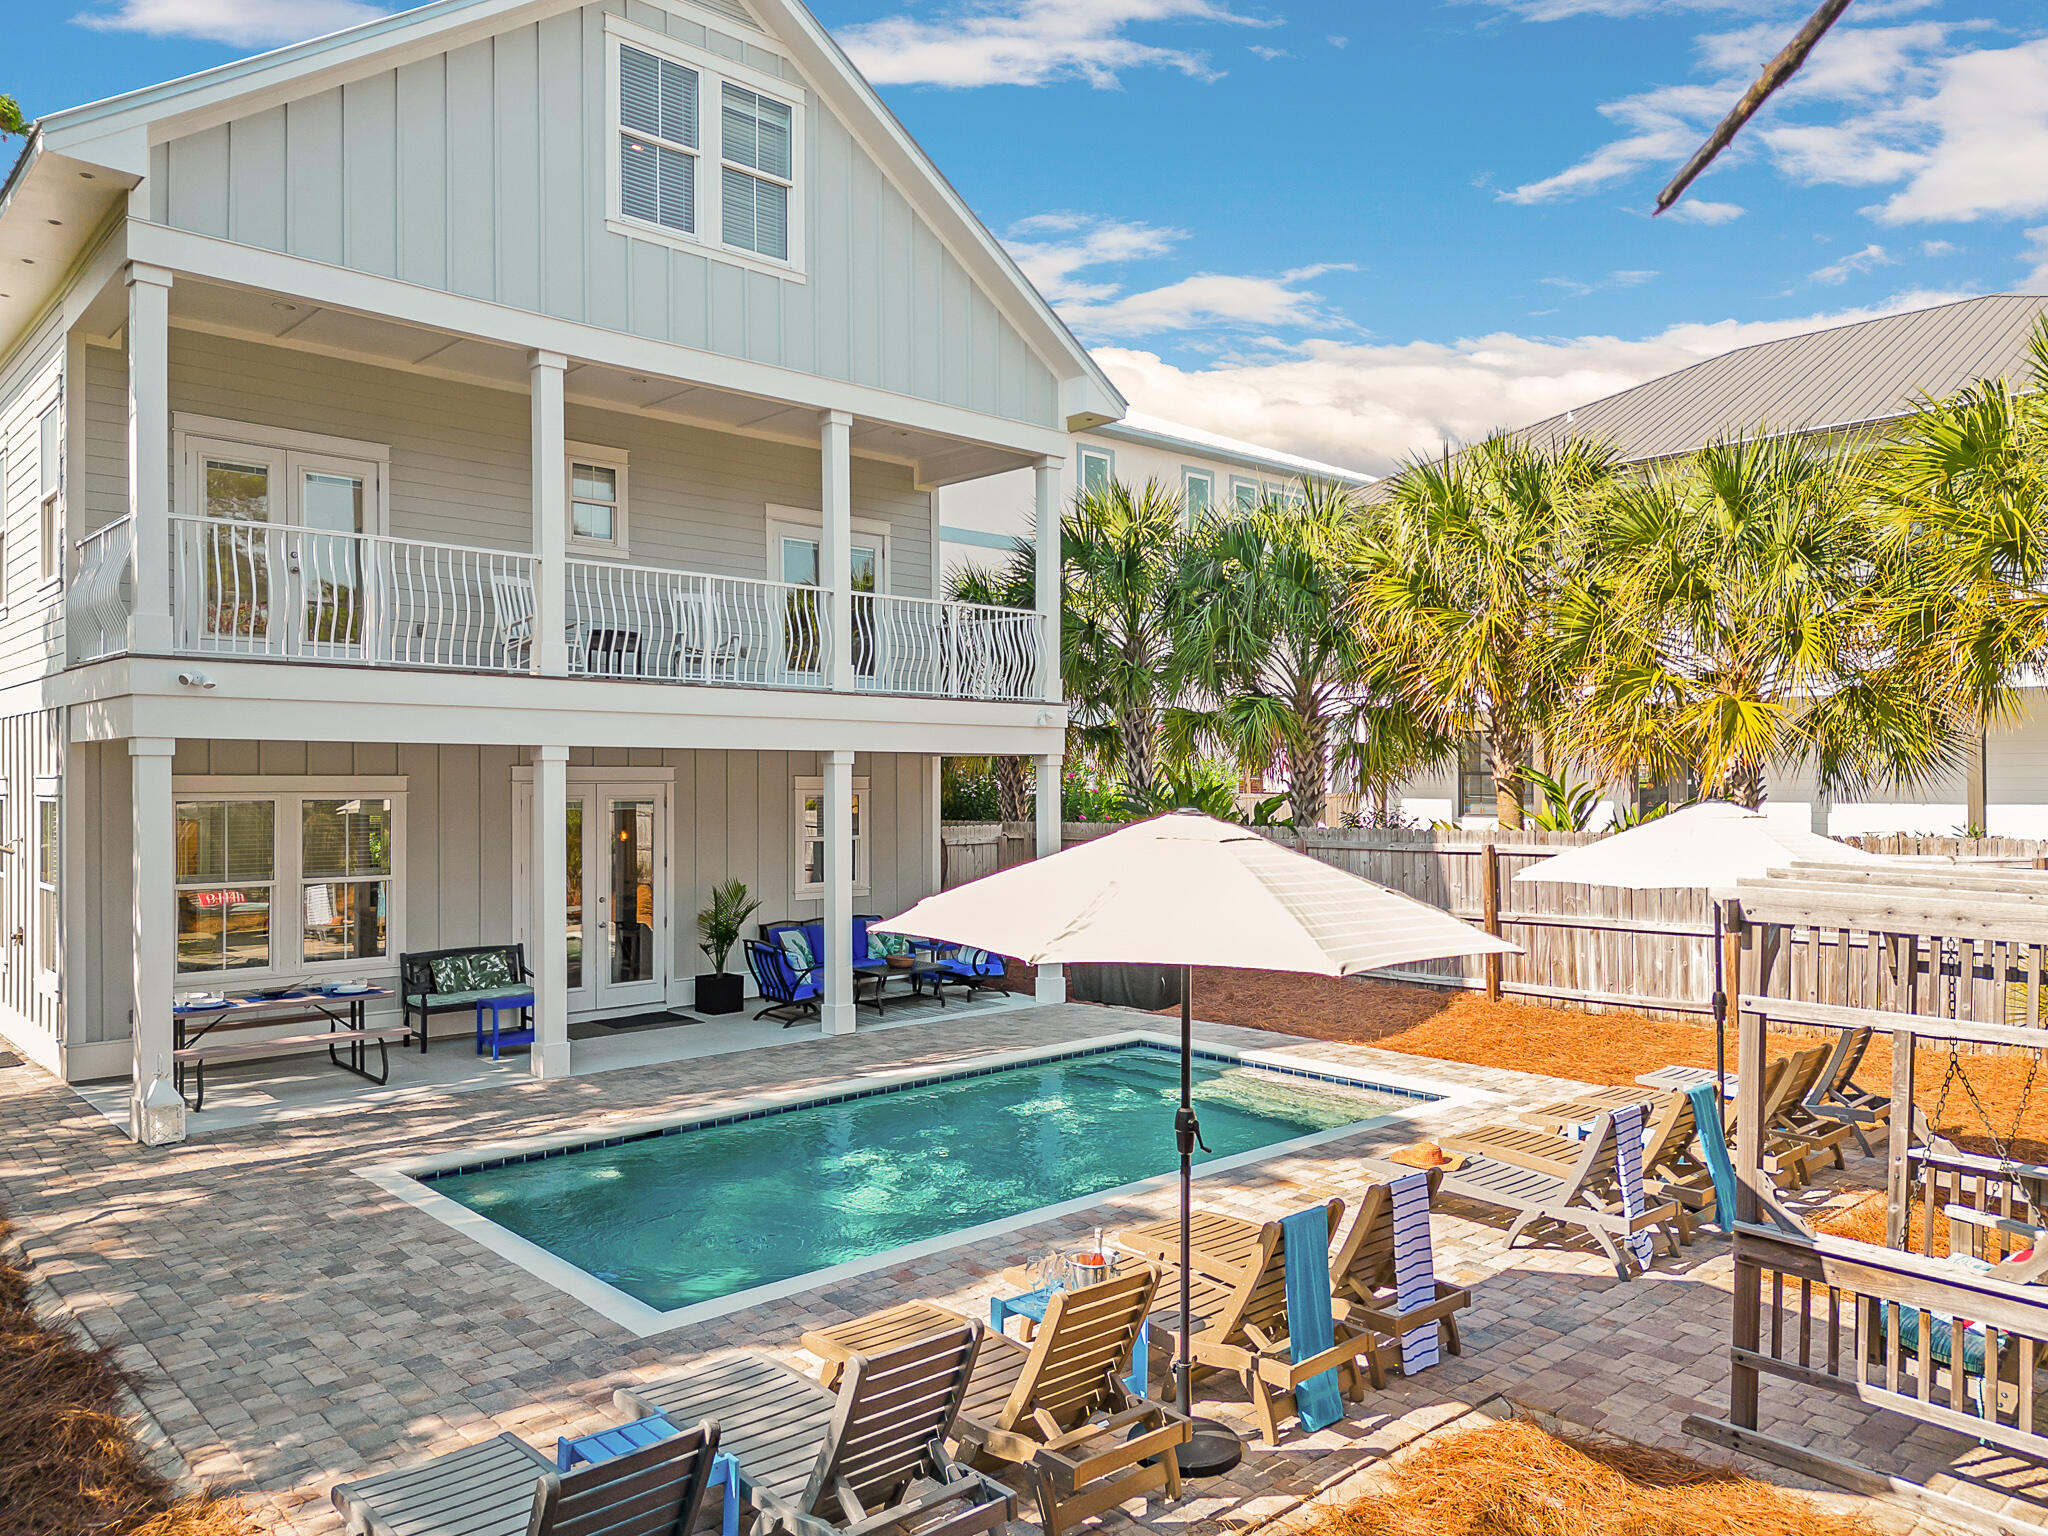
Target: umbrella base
(1212,1451)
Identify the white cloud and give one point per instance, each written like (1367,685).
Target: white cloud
(238,23)
(2036,281)
(1056,251)
(1268,54)
(1369,404)
(1625,278)
(1030,42)
(1938,248)
(1697,210)
(1985,138)
(1856,261)
(1338,42)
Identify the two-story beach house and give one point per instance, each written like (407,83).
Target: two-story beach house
(494,442)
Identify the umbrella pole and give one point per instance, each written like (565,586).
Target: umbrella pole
(1214,1448)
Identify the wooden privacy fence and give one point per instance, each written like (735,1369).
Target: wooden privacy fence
(1598,947)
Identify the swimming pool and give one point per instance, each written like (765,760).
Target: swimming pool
(684,1215)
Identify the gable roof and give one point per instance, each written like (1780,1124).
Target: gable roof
(118,131)
(1844,377)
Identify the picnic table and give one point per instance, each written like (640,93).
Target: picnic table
(344,1010)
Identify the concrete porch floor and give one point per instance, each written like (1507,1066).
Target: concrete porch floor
(303,1085)
(296,1326)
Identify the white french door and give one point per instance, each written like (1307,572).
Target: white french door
(617,916)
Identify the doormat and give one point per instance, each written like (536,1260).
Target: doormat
(9,1059)
(597,1029)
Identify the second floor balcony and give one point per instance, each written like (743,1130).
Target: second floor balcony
(276,592)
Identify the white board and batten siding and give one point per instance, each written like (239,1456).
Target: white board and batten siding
(483,171)
(697,499)
(731,814)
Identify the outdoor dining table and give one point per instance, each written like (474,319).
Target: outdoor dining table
(1680,1079)
(344,1011)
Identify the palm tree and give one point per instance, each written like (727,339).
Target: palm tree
(1962,494)
(1727,617)
(1263,643)
(1458,574)
(1013,583)
(1119,550)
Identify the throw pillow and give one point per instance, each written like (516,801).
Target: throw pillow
(796,949)
(451,974)
(493,968)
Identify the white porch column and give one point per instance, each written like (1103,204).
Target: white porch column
(550,1056)
(149,460)
(1047,582)
(835,546)
(156,1114)
(1052,979)
(836,1014)
(550,651)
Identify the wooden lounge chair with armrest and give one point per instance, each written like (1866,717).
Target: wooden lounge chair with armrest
(1835,1100)
(504,1487)
(1585,1196)
(867,1459)
(1058,1410)
(1671,1169)
(1242,1305)
(1791,1117)
(1363,1278)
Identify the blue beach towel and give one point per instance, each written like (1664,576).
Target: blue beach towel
(1305,1240)
(1706,1114)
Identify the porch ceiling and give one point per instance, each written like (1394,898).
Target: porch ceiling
(253,314)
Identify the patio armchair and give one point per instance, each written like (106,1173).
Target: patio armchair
(512,601)
(707,636)
(793,992)
(504,1487)
(868,1459)
(959,964)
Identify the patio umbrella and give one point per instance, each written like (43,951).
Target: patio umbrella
(1710,846)
(1186,890)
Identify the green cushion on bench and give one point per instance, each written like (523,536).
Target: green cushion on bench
(469,997)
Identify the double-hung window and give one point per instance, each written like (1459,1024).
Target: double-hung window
(709,150)
(810,837)
(657,140)
(1098,468)
(47,864)
(597,499)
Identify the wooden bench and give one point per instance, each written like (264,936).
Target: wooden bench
(358,1041)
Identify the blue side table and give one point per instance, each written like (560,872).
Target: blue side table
(635,1433)
(1032,1305)
(512,1003)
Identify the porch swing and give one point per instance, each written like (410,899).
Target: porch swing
(2008,1180)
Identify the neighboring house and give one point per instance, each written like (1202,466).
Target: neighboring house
(481,461)
(1844,381)
(980,521)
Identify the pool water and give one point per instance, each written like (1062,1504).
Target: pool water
(692,1216)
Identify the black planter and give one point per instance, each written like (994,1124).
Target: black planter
(721,992)
(1145,987)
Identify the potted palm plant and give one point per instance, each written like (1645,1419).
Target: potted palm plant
(718,928)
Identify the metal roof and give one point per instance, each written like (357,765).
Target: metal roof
(1846,376)
(1135,427)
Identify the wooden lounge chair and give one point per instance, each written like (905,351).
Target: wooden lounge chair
(1059,1412)
(1671,1168)
(1586,1196)
(1242,1304)
(1836,1099)
(1367,1297)
(869,1458)
(504,1487)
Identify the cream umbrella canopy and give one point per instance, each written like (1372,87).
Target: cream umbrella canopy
(1711,847)
(1186,890)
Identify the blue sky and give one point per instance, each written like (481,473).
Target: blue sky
(1356,230)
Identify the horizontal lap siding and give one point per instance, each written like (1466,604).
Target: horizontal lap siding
(483,172)
(31,620)
(29,749)
(99,486)
(732,814)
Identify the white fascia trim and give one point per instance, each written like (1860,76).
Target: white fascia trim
(910,170)
(316,282)
(1292,469)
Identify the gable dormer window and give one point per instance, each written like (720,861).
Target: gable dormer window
(707,151)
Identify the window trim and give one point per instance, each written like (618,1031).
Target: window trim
(288,796)
(1108,457)
(50,499)
(618,546)
(285,451)
(802,787)
(1188,476)
(1238,486)
(712,71)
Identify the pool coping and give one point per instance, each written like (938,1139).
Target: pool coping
(402,1179)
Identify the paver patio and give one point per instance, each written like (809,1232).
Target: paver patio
(298,1327)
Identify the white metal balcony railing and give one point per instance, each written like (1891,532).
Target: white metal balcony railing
(944,650)
(96,606)
(300,594)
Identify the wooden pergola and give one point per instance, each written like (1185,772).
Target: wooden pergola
(1928,957)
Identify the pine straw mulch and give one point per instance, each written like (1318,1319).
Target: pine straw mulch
(1590,1047)
(1517,1479)
(69,1461)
